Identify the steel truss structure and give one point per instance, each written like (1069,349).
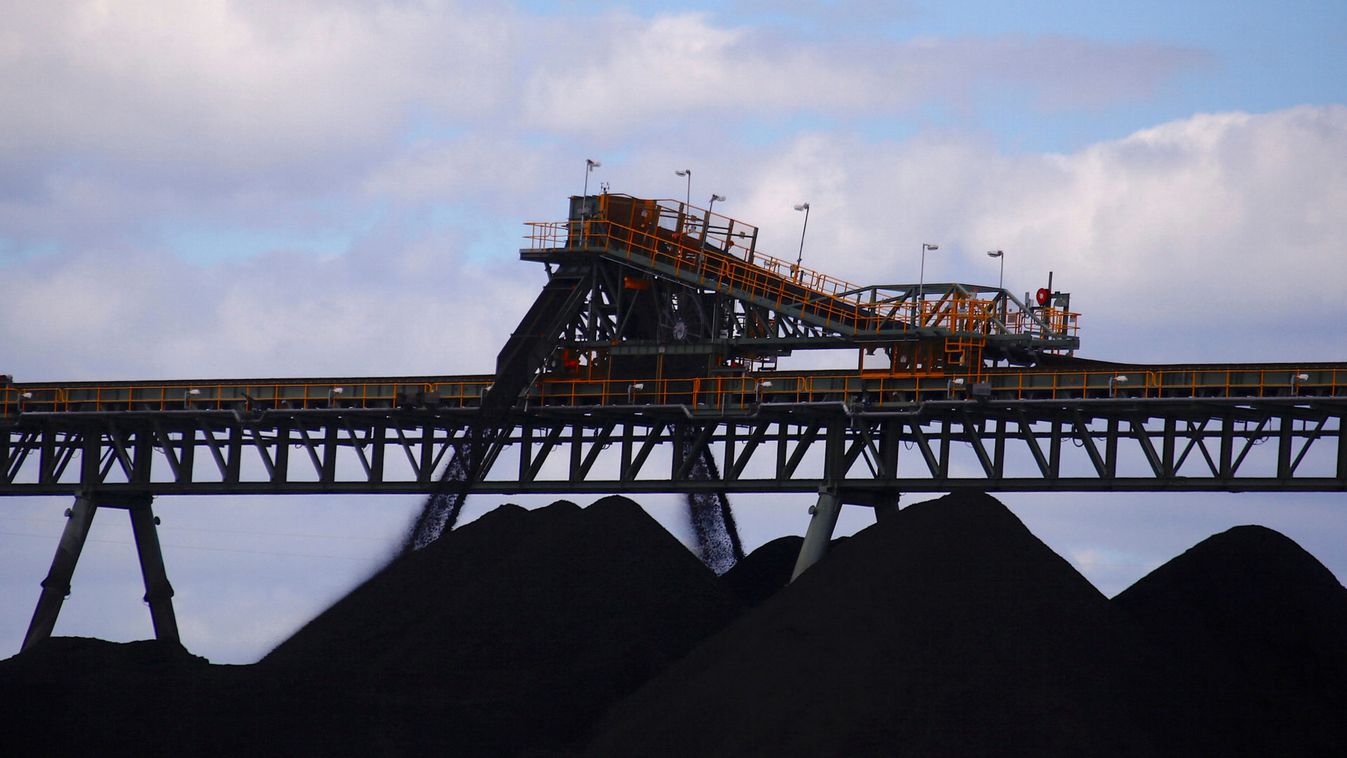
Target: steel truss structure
(1022,446)
(647,364)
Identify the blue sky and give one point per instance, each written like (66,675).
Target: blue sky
(339,188)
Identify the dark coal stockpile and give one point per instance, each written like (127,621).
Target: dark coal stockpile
(763,572)
(517,630)
(1260,626)
(951,630)
(948,629)
(767,570)
(78,696)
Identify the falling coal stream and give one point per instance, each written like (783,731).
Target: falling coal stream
(441,510)
(712,519)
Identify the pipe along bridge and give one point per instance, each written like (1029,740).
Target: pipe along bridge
(649,364)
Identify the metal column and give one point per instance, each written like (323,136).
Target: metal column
(820,532)
(57,584)
(55,588)
(158,592)
(824,513)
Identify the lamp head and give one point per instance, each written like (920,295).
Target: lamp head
(802,207)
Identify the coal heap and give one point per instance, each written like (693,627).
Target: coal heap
(948,629)
(80,696)
(1260,626)
(516,630)
(763,572)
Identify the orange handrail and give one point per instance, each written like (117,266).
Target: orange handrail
(706,252)
(731,391)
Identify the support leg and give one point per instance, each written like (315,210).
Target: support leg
(57,584)
(820,532)
(158,592)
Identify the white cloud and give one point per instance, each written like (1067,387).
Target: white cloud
(1224,226)
(407,307)
(633,72)
(119,119)
(1212,225)
(1221,227)
(239,86)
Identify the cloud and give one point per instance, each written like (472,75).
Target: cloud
(239,87)
(1219,225)
(1210,225)
(130,121)
(638,73)
(391,305)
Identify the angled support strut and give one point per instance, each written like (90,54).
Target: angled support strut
(55,588)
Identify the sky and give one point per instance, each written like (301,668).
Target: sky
(235,189)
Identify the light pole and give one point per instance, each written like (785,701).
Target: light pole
(1001,282)
(802,207)
(1001,254)
(712,205)
(590,165)
(687,201)
(921,277)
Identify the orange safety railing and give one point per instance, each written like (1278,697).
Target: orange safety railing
(715,392)
(719,253)
(466,392)
(767,280)
(1032,384)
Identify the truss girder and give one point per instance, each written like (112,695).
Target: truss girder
(1085,445)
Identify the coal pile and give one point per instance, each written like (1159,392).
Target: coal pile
(1260,628)
(521,627)
(79,696)
(948,629)
(763,572)
(767,570)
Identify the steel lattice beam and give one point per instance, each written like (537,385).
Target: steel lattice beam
(1085,445)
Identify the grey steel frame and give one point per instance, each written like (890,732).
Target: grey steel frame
(1188,445)
(843,452)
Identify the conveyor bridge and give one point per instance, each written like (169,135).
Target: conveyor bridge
(649,363)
